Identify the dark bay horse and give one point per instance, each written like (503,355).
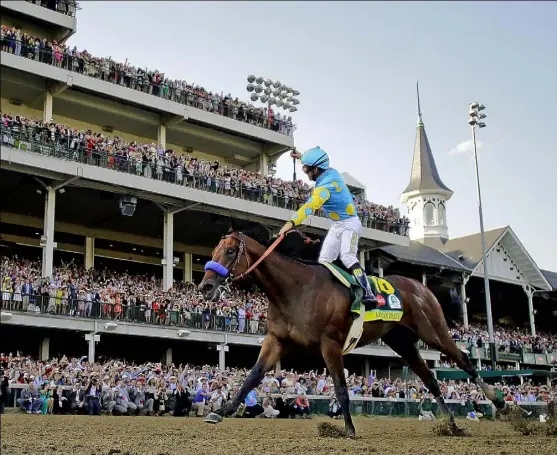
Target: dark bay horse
(309,308)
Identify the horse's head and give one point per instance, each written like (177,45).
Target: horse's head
(229,259)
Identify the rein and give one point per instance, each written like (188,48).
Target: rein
(223,271)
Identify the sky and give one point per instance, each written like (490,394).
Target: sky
(356,65)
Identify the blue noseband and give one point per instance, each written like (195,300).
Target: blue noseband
(217,268)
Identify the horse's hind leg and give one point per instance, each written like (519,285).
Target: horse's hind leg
(402,340)
(442,341)
(332,354)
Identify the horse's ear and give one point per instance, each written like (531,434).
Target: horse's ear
(233,227)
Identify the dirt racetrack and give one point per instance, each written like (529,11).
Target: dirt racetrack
(83,435)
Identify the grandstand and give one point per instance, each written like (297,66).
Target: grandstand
(116,168)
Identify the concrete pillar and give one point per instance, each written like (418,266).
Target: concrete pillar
(424,278)
(161,136)
(188,268)
(530,294)
(91,353)
(47,107)
(264,164)
(463,303)
(168,251)
(44,349)
(89,252)
(362,259)
(380,267)
(367,369)
(223,349)
(168,356)
(48,232)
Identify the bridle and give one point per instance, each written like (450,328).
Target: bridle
(228,273)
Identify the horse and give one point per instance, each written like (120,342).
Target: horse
(309,308)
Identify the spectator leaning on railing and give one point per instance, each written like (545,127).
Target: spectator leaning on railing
(67,7)
(155,83)
(75,292)
(152,161)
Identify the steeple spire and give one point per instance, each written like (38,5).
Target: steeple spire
(420,121)
(424,176)
(426,195)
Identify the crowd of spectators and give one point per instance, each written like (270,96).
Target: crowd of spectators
(71,385)
(74,291)
(508,339)
(67,7)
(152,161)
(153,82)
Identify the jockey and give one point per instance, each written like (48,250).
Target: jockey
(332,195)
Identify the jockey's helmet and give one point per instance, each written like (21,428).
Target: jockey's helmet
(316,157)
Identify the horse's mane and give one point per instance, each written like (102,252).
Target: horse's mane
(295,245)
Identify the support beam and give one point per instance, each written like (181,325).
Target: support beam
(168,251)
(161,135)
(48,232)
(44,349)
(188,268)
(168,357)
(91,351)
(529,291)
(380,267)
(263,163)
(463,302)
(99,233)
(47,107)
(223,349)
(367,369)
(89,253)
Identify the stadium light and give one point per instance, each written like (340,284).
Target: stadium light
(475,121)
(274,93)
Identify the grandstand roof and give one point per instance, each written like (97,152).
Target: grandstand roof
(551,277)
(351,181)
(424,175)
(470,246)
(468,251)
(420,254)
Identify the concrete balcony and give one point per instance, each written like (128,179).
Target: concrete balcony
(62,26)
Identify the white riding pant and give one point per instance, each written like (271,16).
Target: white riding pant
(342,240)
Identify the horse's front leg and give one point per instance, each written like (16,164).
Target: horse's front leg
(271,352)
(332,354)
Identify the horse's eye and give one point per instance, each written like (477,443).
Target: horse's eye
(230,251)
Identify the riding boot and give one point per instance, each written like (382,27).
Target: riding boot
(361,278)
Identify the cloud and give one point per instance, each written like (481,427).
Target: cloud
(466,148)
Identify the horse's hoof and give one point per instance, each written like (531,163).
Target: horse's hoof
(351,433)
(213,418)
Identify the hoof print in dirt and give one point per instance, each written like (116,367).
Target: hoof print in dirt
(447,428)
(328,430)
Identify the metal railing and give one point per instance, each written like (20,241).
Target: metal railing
(66,7)
(40,140)
(370,406)
(137,314)
(146,82)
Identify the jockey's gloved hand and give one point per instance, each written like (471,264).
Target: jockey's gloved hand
(287,227)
